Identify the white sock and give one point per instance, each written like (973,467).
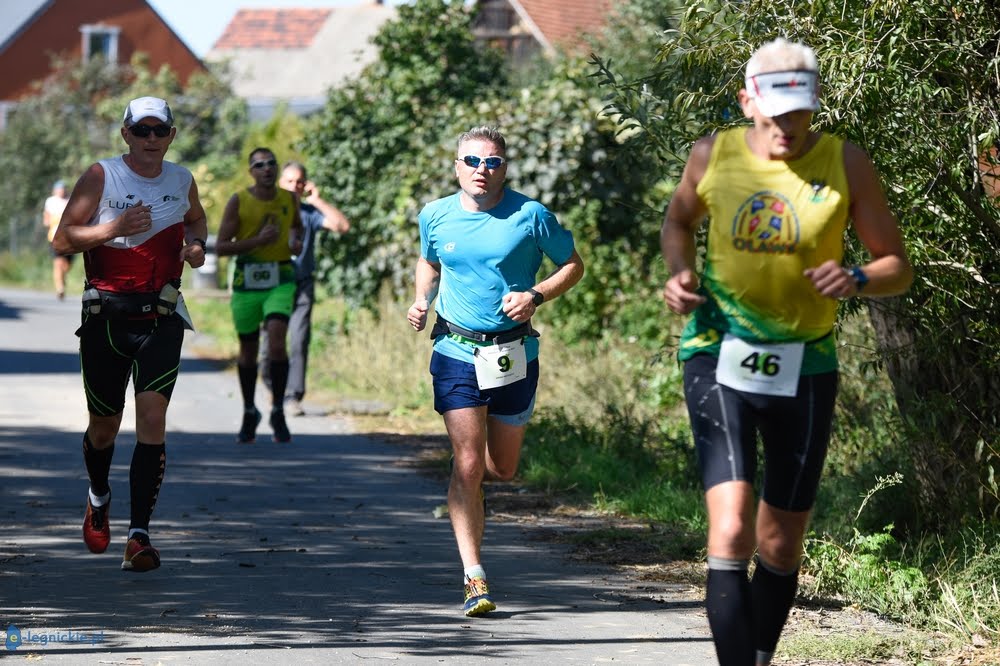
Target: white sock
(96,501)
(475,571)
(137,530)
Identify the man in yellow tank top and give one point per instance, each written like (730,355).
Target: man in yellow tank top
(262,228)
(759,352)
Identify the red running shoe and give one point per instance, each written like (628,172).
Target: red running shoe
(96,529)
(140,555)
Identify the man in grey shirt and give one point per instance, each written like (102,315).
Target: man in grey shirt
(317,214)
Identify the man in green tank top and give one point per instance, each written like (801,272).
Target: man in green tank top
(262,229)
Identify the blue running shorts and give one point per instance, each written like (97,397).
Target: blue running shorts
(455,387)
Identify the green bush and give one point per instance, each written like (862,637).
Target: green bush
(867,571)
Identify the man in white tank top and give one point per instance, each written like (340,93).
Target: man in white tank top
(136,218)
(51,214)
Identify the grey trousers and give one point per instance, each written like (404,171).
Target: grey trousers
(299,336)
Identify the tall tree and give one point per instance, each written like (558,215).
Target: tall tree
(373,143)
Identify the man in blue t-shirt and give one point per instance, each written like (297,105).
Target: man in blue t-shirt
(480,250)
(317,214)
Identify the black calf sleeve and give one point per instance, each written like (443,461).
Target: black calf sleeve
(727,600)
(773,595)
(145,476)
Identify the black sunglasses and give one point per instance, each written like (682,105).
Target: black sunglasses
(263,163)
(142,131)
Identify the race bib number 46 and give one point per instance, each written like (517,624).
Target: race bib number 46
(500,365)
(758,368)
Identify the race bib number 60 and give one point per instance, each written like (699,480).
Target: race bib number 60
(260,276)
(500,365)
(759,368)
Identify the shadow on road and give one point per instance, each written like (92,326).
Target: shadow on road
(8,311)
(327,542)
(14,362)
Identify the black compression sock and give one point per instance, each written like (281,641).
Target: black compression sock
(145,477)
(279,380)
(98,462)
(248,383)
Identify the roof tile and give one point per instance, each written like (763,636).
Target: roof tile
(273,28)
(563,21)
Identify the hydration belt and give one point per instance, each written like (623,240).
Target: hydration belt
(114,305)
(442,327)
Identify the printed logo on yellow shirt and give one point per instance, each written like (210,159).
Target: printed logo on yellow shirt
(766,222)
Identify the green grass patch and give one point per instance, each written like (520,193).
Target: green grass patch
(841,646)
(623,465)
(32,269)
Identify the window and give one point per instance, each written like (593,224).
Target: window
(100,41)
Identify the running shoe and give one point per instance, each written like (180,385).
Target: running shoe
(248,431)
(279,427)
(96,527)
(477,598)
(294,407)
(140,555)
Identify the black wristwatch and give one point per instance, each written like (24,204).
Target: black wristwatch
(537,297)
(860,278)
(199,242)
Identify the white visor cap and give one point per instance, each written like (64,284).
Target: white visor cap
(147,107)
(781,92)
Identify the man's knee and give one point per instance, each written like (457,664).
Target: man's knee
(468,470)
(779,539)
(781,554)
(102,430)
(732,531)
(501,470)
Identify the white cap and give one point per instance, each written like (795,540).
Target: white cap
(780,92)
(147,107)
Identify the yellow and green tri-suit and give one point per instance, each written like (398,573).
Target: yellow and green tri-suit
(769,220)
(252,304)
(255,213)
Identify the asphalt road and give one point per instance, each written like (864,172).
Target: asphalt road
(322,551)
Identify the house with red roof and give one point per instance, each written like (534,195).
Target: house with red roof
(33,31)
(526,28)
(294,56)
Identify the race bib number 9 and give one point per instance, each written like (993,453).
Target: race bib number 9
(260,276)
(500,365)
(759,368)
